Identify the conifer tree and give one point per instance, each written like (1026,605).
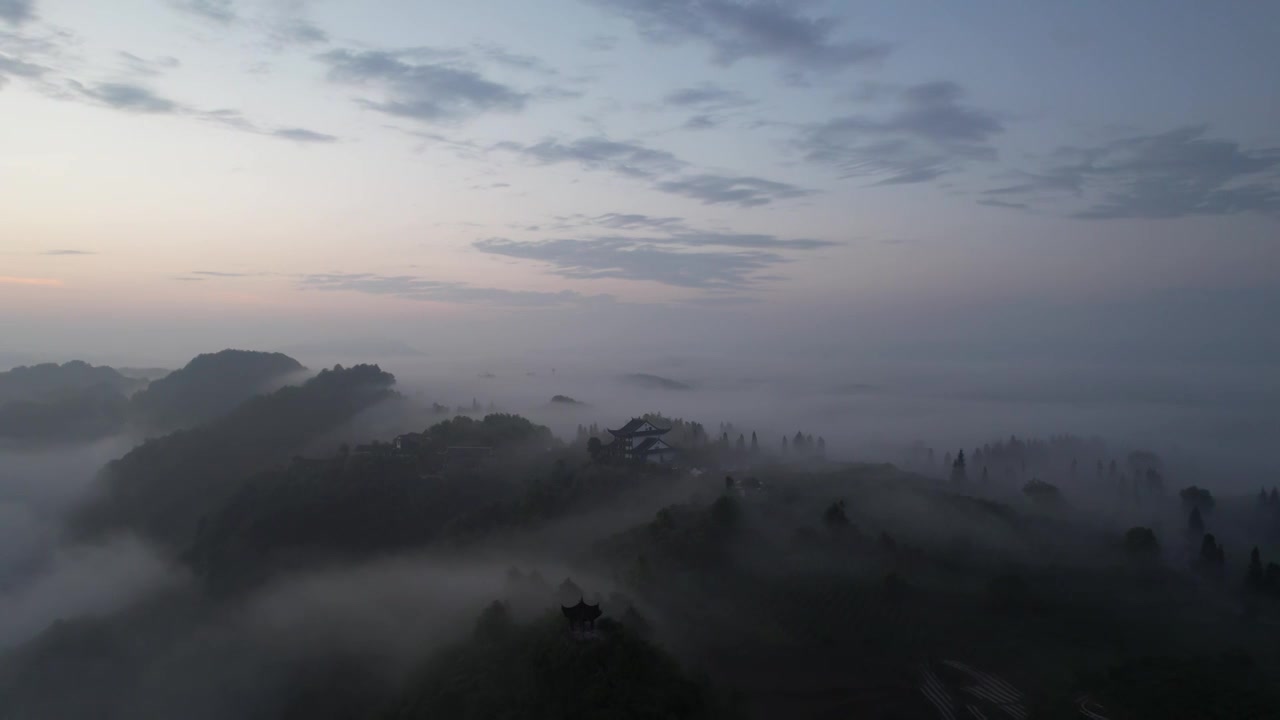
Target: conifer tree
(1195,523)
(1255,578)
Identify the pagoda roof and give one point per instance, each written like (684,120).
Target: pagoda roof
(582,612)
(651,444)
(634,427)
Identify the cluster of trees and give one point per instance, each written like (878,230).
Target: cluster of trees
(803,445)
(1057,460)
(210,386)
(384,499)
(163,487)
(537,670)
(699,448)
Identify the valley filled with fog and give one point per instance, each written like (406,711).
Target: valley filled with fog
(249,522)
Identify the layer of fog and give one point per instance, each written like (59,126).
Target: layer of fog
(1214,426)
(43,578)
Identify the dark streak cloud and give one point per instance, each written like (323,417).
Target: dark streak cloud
(416,288)
(629,259)
(427,90)
(929,134)
(143,67)
(11,66)
(632,159)
(739,29)
(298,31)
(17,11)
(130,97)
(635,221)
(706,96)
(741,191)
(61,253)
(671,253)
(302,135)
(1003,204)
(599,153)
(222,11)
(703,122)
(1175,174)
(518,61)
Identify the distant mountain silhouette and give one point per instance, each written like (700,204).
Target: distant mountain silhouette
(49,379)
(68,403)
(654,382)
(70,416)
(163,488)
(209,387)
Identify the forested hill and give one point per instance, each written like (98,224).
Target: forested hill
(210,386)
(50,379)
(72,402)
(162,488)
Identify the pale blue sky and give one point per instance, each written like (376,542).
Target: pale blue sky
(235,171)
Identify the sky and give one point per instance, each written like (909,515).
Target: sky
(992,180)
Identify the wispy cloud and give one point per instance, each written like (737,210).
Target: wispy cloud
(297,30)
(680,256)
(628,259)
(302,135)
(422,84)
(1179,173)
(41,282)
(598,153)
(740,29)
(17,12)
(143,67)
(931,132)
(636,160)
(723,189)
(221,11)
(136,98)
(128,97)
(14,67)
(707,96)
(416,288)
(68,252)
(635,221)
(714,104)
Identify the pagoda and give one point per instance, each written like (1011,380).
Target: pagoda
(582,617)
(641,441)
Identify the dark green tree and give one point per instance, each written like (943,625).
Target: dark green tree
(1196,497)
(835,518)
(1195,523)
(1212,557)
(1255,579)
(1141,542)
(959,474)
